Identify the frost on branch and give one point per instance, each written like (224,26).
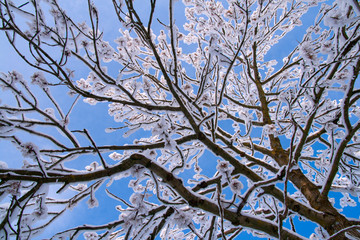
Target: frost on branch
(29,149)
(91,236)
(239,117)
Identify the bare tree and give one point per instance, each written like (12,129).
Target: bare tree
(235,137)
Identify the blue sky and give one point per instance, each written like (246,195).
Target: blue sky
(96,118)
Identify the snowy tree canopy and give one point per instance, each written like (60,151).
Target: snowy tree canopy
(221,123)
